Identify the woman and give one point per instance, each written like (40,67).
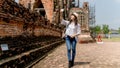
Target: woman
(71,33)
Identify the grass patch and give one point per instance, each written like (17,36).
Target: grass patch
(111,40)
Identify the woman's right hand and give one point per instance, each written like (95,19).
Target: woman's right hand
(62,10)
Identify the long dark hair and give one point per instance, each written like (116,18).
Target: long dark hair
(76,20)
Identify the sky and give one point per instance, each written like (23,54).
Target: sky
(17,1)
(107,12)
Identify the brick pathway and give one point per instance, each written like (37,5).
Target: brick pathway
(106,55)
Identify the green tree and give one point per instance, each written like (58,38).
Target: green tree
(95,30)
(119,30)
(105,29)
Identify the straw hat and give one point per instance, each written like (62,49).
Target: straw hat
(76,14)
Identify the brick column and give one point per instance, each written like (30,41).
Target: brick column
(48,6)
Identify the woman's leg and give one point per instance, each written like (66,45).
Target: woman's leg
(68,44)
(73,50)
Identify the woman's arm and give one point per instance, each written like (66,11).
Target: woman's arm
(78,30)
(64,22)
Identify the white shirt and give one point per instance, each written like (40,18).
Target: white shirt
(71,28)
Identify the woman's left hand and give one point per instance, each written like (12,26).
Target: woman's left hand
(72,36)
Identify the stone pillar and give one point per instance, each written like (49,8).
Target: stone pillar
(86,12)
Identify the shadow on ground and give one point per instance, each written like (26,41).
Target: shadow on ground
(81,63)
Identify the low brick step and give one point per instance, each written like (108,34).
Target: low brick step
(86,38)
(15,49)
(27,58)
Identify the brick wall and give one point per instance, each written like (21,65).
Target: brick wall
(14,28)
(11,29)
(20,21)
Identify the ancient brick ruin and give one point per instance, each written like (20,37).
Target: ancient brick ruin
(28,34)
(45,6)
(20,20)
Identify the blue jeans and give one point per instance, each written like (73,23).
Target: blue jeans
(71,48)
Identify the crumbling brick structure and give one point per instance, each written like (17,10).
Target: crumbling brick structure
(44,5)
(17,20)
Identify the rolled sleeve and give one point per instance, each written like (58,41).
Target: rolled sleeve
(78,29)
(64,22)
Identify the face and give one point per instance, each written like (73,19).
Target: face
(72,17)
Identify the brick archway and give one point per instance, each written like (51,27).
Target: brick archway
(48,6)
(38,5)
